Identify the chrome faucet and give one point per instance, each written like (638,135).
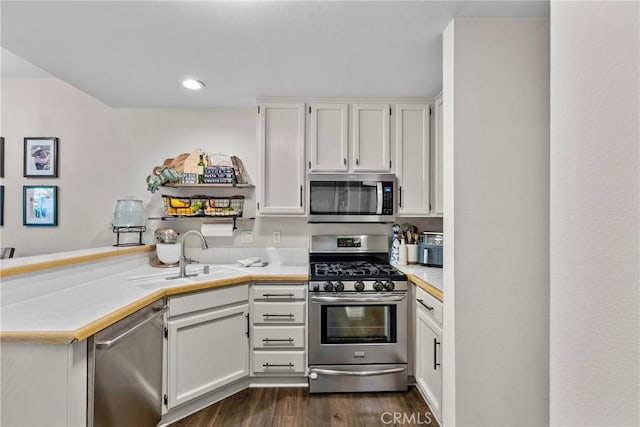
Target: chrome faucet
(184,260)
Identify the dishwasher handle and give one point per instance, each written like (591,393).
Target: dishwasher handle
(106,344)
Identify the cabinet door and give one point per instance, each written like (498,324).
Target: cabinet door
(206,351)
(328,138)
(370,130)
(281,159)
(428,360)
(437,205)
(412,148)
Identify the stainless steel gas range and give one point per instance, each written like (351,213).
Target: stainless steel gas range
(357,316)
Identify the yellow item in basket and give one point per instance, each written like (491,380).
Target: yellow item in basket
(178,203)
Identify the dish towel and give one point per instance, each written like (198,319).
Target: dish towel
(252,262)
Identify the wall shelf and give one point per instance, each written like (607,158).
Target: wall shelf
(233,219)
(208,185)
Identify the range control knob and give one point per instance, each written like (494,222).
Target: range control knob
(328,286)
(339,286)
(378,286)
(389,285)
(316,287)
(359,286)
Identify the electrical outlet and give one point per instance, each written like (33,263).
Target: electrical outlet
(246,236)
(276,237)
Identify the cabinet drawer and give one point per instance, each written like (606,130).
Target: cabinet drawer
(429,304)
(209,299)
(278,312)
(278,361)
(279,292)
(278,337)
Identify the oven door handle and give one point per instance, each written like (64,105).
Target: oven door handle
(385,298)
(313,372)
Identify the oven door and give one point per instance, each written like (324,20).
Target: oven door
(358,328)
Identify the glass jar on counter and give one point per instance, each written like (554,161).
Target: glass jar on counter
(129,212)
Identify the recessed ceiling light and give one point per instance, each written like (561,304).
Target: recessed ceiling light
(193,84)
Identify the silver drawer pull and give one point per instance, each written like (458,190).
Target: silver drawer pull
(267,315)
(427,307)
(268,340)
(270,365)
(278,295)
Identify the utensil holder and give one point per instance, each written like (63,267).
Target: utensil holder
(412,254)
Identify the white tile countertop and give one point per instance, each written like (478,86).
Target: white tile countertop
(85,298)
(431,275)
(76,308)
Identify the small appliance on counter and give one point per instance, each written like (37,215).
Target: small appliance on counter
(430,249)
(168,249)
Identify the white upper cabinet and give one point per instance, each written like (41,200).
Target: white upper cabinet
(437,205)
(412,157)
(370,138)
(281,159)
(328,137)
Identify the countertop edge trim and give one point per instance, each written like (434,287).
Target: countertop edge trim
(427,287)
(45,265)
(38,337)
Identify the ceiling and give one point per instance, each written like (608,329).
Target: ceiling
(134,54)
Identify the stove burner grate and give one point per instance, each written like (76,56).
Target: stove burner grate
(355,268)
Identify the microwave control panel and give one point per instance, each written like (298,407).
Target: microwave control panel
(387,198)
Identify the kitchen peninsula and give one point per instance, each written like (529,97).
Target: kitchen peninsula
(54,304)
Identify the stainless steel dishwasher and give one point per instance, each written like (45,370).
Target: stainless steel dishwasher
(125,370)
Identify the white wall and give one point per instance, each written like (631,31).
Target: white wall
(106,154)
(496,174)
(595,242)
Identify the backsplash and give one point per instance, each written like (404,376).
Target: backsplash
(229,255)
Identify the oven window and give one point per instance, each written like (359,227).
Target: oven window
(343,197)
(344,324)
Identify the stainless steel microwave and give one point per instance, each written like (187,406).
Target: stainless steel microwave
(351,197)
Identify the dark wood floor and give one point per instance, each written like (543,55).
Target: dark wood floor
(294,407)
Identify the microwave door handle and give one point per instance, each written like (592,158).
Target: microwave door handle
(379,205)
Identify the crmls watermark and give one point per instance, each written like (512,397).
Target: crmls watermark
(414,418)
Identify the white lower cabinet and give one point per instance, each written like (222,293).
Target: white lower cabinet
(278,330)
(208,347)
(428,350)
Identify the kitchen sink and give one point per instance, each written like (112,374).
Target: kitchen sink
(157,280)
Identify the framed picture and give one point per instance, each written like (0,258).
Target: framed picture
(41,157)
(1,204)
(40,205)
(1,157)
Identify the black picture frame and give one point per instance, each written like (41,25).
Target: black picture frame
(40,205)
(1,205)
(40,158)
(1,157)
